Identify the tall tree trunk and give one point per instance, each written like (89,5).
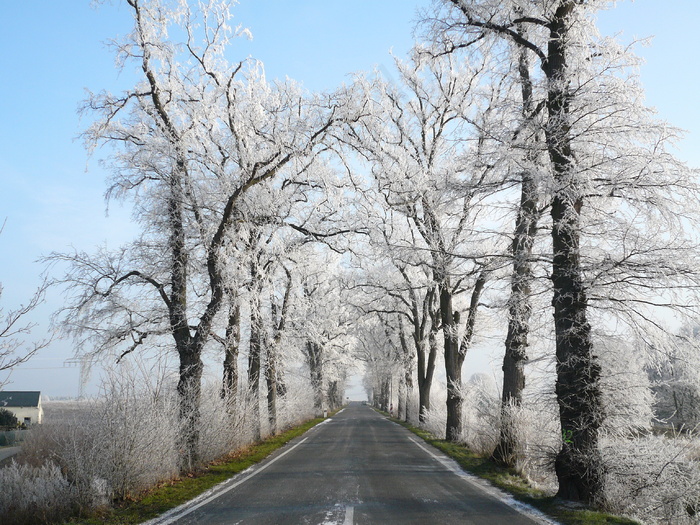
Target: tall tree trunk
(314,359)
(579,464)
(189,352)
(384,403)
(458,351)
(335,395)
(255,350)
(275,386)
(401,403)
(229,389)
(519,307)
(406,382)
(189,392)
(453,363)
(271,381)
(425,373)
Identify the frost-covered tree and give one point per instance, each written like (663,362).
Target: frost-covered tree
(615,192)
(428,157)
(14,332)
(391,280)
(192,138)
(324,325)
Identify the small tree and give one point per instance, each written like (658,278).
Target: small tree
(8,419)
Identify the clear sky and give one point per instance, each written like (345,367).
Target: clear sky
(51,195)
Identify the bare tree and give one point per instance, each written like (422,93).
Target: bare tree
(609,168)
(14,331)
(195,135)
(427,156)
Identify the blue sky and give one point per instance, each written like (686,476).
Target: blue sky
(50,52)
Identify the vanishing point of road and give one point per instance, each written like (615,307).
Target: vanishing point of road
(354,468)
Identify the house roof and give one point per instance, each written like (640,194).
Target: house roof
(19,399)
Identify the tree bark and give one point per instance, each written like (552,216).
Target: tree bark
(405,381)
(426,371)
(271,381)
(255,348)
(314,359)
(453,363)
(519,307)
(229,390)
(578,465)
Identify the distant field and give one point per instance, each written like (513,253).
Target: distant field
(58,411)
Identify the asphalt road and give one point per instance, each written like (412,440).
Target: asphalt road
(354,468)
(6,453)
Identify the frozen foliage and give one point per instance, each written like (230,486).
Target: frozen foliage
(116,447)
(675,381)
(33,495)
(125,442)
(297,405)
(627,395)
(434,422)
(537,425)
(224,424)
(654,478)
(480,414)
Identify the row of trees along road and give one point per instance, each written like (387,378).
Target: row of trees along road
(383,217)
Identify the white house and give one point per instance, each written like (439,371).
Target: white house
(26,406)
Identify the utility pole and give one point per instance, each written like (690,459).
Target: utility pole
(85,367)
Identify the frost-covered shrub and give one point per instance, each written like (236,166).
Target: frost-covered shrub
(115,446)
(481,407)
(537,422)
(30,495)
(436,419)
(136,436)
(653,478)
(297,405)
(436,415)
(223,425)
(412,407)
(627,395)
(126,441)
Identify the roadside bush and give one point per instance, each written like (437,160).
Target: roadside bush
(297,405)
(435,420)
(114,447)
(653,478)
(31,495)
(481,407)
(134,433)
(223,425)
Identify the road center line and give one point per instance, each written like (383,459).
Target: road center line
(179,512)
(349,515)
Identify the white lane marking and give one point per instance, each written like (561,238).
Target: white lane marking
(179,512)
(349,515)
(452,465)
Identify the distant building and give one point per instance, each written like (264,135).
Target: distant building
(26,406)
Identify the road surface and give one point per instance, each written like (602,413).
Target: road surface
(355,468)
(7,452)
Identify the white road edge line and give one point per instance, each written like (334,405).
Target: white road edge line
(452,465)
(187,508)
(349,515)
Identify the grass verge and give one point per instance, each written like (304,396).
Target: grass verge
(169,495)
(513,483)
